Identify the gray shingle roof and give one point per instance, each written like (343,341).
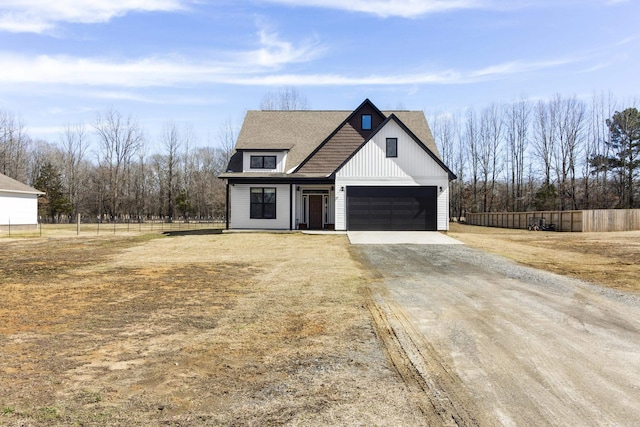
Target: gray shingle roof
(12,186)
(301,132)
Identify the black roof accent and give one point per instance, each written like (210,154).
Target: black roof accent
(280,180)
(235,162)
(393,117)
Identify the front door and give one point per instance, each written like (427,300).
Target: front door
(315,212)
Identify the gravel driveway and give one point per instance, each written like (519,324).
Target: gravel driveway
(520,346)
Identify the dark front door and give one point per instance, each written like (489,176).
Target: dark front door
(391,208)
(315,212)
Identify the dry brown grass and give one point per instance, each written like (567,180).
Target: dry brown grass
(609,259)
(234,329)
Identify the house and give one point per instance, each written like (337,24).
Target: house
(345,170)
(18,204)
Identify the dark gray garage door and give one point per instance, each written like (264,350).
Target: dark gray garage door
(391,208)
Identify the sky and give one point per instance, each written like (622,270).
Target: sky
(202,64)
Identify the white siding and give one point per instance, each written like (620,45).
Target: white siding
(240,208)
(18,209)
(281,159)
(443,209)
(413,166)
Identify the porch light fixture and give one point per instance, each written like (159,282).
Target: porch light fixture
(298,188)
(341,188)
(440,189)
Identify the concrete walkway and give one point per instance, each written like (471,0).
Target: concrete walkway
(400,237)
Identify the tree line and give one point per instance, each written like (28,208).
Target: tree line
(558,154)
(105,170)
(563,153)
(111,170)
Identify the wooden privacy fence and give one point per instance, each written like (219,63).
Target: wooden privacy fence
(585,220)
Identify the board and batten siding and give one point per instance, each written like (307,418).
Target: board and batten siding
(371,167)
(18,209)
(241,207)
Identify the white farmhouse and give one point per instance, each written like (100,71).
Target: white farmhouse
(18,204)
(345,170)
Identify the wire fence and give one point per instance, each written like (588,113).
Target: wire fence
(105,228)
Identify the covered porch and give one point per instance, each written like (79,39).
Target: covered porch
(314,207)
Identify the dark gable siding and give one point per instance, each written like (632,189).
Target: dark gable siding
(376,120)
(344,141)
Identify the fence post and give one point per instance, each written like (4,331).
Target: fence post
(78,225)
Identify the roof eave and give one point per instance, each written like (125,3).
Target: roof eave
(36,192)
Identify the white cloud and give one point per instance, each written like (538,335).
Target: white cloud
(444,77)
(401,8)
(39,16)
(275,52)
(271,55)
(258,69)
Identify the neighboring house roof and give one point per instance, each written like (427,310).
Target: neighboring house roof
(317,141)
(10,185)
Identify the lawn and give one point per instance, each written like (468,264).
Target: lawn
(226,329)
(609,259)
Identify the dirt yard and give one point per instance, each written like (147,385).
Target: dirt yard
(234,329)
(230,329)
(608,259)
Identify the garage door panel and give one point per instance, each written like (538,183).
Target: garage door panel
(391,208)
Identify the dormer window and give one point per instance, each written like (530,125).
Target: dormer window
(263,162)
(366,122)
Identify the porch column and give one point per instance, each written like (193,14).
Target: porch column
(290,206)
(227,206)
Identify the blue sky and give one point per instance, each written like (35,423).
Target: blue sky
(203,63)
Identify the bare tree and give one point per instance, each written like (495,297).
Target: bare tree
(446,132)
(569,119)
(74,143)
(172,142)
(598,145)
(444,135)
(545,137)
(189,160)
(287,98)
(517,117)
(119,140)
(14,148)
(227,137)
(490,139)
(472,142)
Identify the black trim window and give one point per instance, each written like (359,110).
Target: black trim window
(263,203)
(392,147)
(366,122)
(263,162)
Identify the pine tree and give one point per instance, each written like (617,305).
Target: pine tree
(54,203)
(624,131)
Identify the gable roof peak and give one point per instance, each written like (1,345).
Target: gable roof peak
(367,102)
